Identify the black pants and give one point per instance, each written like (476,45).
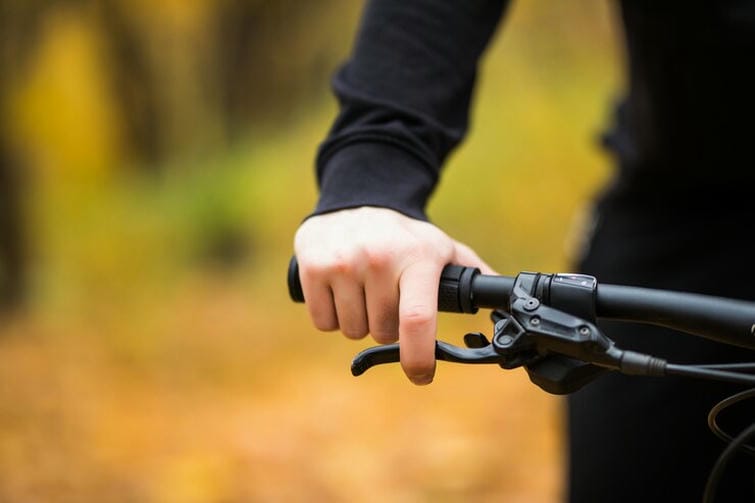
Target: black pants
(639,439)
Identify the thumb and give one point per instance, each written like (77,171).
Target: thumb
(466,256)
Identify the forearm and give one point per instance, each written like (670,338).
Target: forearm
(404,98)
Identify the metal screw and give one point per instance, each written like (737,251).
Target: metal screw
(535,320)
(505,341)
(584,331)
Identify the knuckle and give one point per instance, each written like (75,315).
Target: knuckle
(342,266)
(377,260)
(325,267)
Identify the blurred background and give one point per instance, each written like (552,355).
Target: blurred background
(155,161)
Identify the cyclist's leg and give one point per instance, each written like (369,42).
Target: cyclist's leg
(646,439)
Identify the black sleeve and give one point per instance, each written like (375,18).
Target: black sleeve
(404,98)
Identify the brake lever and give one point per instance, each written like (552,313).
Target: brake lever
(509,349)
(443,351)
(554,348)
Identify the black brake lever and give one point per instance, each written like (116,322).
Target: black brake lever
(443,351)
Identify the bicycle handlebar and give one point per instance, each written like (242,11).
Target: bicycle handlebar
(545,323)
(465,290)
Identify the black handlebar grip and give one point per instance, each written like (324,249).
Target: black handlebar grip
(455,289)
(454,292)
(294,284)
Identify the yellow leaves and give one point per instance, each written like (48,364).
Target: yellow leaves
(64,118)
(183,15)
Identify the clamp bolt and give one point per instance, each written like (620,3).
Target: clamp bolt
(531,304)
(584,331)
(535,320)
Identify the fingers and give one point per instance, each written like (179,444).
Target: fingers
(418,320)
(373,270)
(335,300)
(348,296)
(318,298)
(385,304)
(386,307)
(381,297)
(343,303)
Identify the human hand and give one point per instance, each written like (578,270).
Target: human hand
(374,270)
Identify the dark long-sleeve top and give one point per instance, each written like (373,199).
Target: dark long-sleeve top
(685,126)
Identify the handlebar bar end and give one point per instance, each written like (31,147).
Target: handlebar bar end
(294,285)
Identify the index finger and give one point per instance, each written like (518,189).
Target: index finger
(418,313)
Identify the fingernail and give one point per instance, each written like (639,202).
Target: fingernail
(422,380)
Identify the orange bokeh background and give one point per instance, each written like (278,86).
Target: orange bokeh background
(155,356)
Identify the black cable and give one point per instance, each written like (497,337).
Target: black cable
(718,469)
(720,407)
(739,367)
(709,373)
